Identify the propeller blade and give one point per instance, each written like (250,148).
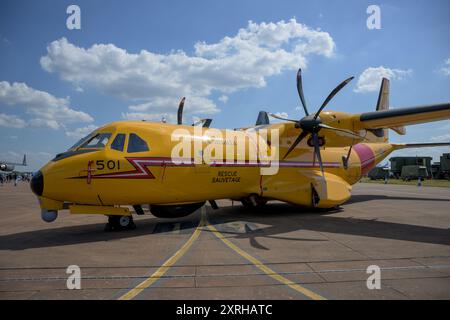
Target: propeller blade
(281,118)
(332,94)
(315,138)
(347,132)
(300,90)
(296,142)
(180,111)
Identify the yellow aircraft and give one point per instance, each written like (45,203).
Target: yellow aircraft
(132,163)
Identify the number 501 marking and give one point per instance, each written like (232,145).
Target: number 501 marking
(110,164)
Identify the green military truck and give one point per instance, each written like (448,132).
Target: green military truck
(445,166)
(413,172)
(378,173)
(397,163)
(436,170)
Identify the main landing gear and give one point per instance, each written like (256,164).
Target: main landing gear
(116,223)
(254,201)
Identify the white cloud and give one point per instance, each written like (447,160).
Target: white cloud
(223,98)
(149,116)
(441,138)
(370,79)
(446,69)
(11,121)
(44,109)
(282,114)
(170,104)
(79,133)
(242,61)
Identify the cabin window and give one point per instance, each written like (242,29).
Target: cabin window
(119,142)
(99,141)
(136,144)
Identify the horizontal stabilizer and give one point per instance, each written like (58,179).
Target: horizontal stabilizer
(420,145)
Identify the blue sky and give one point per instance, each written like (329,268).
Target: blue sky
(76,81)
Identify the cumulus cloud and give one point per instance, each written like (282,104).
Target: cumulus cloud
(44,109)
(81,132)
(238,62)
(223,98)
(149,116)
(441,138)
(446,69)
(11,121)
(370,79)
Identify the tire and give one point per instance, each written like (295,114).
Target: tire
(120,223)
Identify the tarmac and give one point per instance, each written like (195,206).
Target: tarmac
(278,252)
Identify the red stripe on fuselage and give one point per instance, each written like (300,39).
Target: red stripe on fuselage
(366,156)
(142,172)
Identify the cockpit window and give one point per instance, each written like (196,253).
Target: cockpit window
(82,140)
(136,144)
(119,142)
(99,141)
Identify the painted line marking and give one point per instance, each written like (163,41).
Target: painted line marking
(271,273)
(167,264)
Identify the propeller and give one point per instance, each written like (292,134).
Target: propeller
(180,111)
(311,123)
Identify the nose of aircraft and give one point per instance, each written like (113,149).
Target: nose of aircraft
(37,183)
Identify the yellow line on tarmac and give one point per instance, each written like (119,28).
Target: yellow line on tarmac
(166,265)
(271,273)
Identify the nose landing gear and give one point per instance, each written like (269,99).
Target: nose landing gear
(116,223)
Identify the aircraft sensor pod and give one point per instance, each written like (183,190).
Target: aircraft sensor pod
(49,215)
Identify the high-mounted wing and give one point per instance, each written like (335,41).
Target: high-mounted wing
(402,116)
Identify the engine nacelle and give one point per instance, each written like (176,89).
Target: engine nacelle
(6,167)
(49,215)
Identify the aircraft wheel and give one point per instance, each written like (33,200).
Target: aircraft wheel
(120,223)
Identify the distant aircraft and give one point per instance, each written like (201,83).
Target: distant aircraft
(132,163)
(9,166)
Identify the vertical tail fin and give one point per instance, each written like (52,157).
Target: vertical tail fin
(383,104)
(263,118)
(382,135)
(383,95)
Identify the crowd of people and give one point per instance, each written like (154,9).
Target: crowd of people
(14,177)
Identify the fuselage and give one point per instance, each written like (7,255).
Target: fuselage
(105,175)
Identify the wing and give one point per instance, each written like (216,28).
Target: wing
(402,116)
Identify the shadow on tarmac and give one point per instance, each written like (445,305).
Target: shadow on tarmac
(368,197)
(282,218)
